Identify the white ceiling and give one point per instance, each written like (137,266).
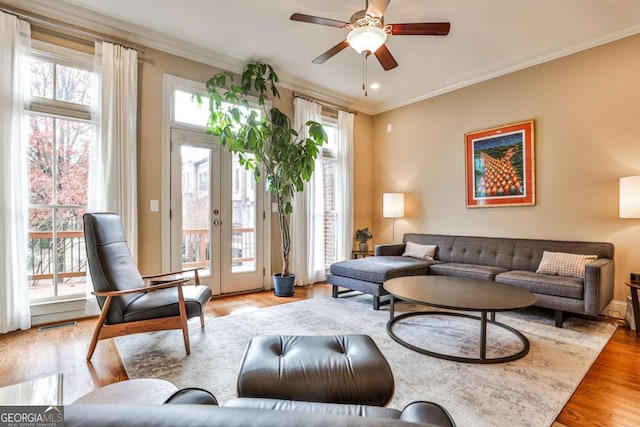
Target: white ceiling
(488,38)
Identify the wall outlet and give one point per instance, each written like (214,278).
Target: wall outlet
(155,206)
(274,207)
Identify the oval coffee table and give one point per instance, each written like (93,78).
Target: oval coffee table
(462,294)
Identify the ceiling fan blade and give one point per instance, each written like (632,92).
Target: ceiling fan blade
(377,7)
(331,52)
(386,59)
(420,29)
(317,20)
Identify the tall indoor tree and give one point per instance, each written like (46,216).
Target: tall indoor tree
(263,138)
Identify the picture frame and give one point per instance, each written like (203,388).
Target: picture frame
(500,166)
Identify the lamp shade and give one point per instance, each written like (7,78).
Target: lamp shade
(392,205)
(630,197)
(366,39)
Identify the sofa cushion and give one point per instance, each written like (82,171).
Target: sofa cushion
(444,243)
(564,264)
(316,368)
(474,271)
(546,284)
(380,268)
(420,251)
(528,253)
(483,251)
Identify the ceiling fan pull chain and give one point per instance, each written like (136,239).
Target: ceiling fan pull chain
(365,55)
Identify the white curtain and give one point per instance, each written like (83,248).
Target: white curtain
(113,170)
(15,44)
(307,220)
(344,182)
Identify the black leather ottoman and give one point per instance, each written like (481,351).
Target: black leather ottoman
(333,369)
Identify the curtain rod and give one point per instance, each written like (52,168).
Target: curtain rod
(72,30)
(324,103)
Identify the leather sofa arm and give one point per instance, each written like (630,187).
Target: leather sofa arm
(598,285)
(389,250)
(427,413)
(192,396)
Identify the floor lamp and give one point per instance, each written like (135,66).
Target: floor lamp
(393,207)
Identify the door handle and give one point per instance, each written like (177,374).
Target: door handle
(217,222)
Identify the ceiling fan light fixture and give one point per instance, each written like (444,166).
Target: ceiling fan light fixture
(366,39)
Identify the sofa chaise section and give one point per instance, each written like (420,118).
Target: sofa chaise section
(368,274)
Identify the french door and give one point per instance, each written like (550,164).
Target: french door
(217,215)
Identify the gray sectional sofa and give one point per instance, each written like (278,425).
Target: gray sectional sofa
(503,260)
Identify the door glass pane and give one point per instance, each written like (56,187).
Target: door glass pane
(243,216)
(40,152)
(196,203)
(73,140)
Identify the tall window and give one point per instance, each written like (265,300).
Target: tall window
(59,133)
(329,159)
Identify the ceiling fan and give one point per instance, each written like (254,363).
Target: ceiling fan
(368,33)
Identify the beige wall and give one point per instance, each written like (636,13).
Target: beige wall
(153,65)
(586,109)
(362,172)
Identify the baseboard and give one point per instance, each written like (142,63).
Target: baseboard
(617,309)
(63,311)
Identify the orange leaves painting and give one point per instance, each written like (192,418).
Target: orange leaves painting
(500,166)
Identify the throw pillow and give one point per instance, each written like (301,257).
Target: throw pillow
(564,264)
(420,251)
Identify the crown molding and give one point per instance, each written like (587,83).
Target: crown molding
(83,18)
(102,24)
(586,41)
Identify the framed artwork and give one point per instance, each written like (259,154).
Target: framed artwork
(500,166)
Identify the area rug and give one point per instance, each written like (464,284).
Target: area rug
(527,392)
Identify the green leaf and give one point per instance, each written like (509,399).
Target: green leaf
(264,142)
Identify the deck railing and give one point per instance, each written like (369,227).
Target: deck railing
(69,255)
(71,258)
(195,246)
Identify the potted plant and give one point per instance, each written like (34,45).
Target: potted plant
(264,140)
(363,235)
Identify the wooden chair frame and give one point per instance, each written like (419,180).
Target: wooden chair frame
(103,331)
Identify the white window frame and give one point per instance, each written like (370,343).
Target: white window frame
(330,153)
(61,308)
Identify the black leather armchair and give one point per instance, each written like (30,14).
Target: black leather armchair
(128,305)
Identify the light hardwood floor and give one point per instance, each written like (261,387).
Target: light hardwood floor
(609,395)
